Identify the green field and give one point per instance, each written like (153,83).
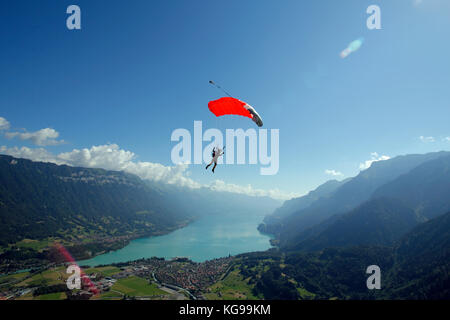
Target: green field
(46,278)
(305,294)
(48,296)
(232,287)
(105,271)
(135,286)
(34,244)
(110,295)
(52,296)
(13,277)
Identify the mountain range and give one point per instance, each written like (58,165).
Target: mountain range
(377,206)
(395,214)
(40,200)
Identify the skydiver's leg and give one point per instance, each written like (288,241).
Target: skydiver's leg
(209,164)
(215,164)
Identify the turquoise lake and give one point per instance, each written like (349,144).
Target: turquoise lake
(204,239)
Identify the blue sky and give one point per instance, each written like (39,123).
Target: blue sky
(140,69)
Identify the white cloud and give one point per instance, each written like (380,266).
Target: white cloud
(333,173)
(43,137)
(446,139)
(426,139)
(4,124)
(111,157)
(374,157)
(36,154)
(219,185)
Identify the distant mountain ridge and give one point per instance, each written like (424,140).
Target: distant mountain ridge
(426,188)
(272,222)
(40,200)
(201,201)
(376,222)
(297,226)
(394,209)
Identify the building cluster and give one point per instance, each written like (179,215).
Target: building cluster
(180,272)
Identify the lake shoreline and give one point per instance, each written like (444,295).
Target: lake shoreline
(207,238)
(109,244)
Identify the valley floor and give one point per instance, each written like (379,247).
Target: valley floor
(154,279)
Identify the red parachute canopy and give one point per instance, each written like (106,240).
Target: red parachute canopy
(229,105)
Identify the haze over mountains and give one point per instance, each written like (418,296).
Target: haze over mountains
(395,214)
(300,203)
(40,200)
(376,207)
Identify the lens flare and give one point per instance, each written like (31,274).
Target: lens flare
(352,47)
(84,278)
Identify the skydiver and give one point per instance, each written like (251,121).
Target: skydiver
(215,156)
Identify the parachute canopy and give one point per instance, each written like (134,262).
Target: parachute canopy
(229,105)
